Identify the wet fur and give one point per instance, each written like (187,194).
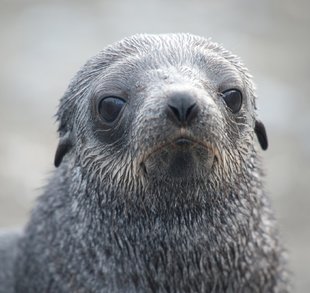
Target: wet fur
(110,220)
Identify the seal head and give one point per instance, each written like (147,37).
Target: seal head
(162,110)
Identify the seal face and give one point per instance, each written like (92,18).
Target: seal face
(161,109)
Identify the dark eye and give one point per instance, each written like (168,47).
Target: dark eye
(233,99)
(110,107)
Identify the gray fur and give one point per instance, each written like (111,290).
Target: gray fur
(113,218)
(8,251)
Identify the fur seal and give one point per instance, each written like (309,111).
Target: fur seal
(159,181)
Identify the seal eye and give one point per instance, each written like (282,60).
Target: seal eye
(233,99)
(110,107)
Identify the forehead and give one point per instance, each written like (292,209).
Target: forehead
(175,57)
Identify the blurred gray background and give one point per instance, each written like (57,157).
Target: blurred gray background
(43,44)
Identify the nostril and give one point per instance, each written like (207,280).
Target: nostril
(191,111)
(175,112)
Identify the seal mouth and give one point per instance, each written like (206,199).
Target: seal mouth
(183,143)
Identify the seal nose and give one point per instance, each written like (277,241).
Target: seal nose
(181,107)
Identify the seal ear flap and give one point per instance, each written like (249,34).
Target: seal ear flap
(64,146)
(261,134)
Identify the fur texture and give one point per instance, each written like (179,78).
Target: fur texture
(128,210)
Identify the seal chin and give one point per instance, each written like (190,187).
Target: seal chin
(181,158)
